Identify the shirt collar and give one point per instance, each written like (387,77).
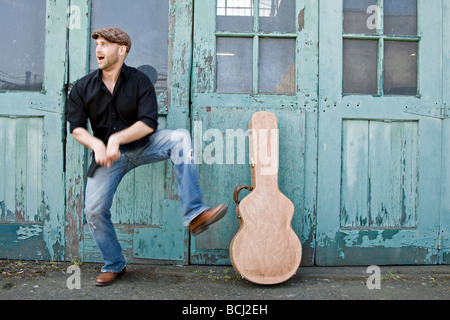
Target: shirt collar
(123,72)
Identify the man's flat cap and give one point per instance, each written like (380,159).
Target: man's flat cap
(114,35)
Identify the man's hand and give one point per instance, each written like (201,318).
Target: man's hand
(112,151)
(101,155)
(106,155)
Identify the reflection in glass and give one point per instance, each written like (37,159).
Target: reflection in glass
(400,17)
(234,65)
(277,66)
(23,44)
(360,66)
(400,68)
(147,23)
(235,15)
(277,15)
(360,16)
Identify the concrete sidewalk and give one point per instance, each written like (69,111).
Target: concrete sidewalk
(30,280)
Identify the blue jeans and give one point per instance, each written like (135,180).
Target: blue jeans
(100,189)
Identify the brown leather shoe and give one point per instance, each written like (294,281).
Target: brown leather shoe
(206,218)
(107,278)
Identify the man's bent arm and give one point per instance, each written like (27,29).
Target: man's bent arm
(135,132)
(128,135)
(95,144)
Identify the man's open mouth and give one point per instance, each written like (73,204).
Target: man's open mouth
(100,59)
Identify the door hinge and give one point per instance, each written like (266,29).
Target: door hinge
(439,111)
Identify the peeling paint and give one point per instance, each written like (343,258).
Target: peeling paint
(2,210)
(301,20)
(357,247)
(27,232)
(74,219)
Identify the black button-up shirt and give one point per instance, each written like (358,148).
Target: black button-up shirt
(133,99)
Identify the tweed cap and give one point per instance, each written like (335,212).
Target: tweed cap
(114,35)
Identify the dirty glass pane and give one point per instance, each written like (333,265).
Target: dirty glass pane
(277,66)
(235,15)
(147,23)
(400,17)
(360,66)
(22,41)
(234,65)
(360,16)
(400,67)
(277,15)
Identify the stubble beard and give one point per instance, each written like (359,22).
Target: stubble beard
(110,62)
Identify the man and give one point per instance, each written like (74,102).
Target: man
(120,103)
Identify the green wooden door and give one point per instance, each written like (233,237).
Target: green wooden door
(145,211)
(248,56)
(32,95)
(380,132)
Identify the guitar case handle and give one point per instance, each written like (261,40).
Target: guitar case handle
(237,190)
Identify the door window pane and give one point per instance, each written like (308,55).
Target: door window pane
(235,15)
(147,24)
(359,16)
(392,70)
(277,15)
(360,66)
(234,65)
(23,44)
(400,68)
(277,66)
(400,17)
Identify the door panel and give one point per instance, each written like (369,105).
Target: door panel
(379,149)
(31,140)
(145,211)
(237,45)
(21,148)
(379,174)
(221,136)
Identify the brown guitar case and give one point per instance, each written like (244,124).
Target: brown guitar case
(265,250)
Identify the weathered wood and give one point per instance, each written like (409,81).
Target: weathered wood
(32,159)
(214,114)
(379,174)
(379,167)
(444,237)
(395,215)
(76,158)
(21,164)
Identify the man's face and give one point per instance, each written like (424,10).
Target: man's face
(107,53)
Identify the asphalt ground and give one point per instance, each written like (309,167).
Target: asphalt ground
(191,290)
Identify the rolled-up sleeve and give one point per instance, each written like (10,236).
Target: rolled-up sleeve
(76,113)
(147,103)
